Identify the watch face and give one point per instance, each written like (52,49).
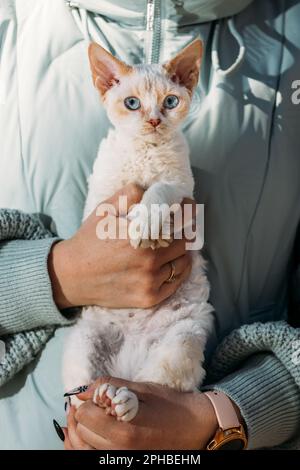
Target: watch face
(235,444)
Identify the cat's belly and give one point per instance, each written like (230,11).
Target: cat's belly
(134,343)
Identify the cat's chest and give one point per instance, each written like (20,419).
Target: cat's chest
(142,168)
(145,164)
(121,161)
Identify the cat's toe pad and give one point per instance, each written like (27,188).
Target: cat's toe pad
(119,402)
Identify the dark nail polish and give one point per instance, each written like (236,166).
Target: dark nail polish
(77,390)
(58,430)
(67,405)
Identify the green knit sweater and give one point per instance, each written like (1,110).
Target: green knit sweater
(258,365)
(28,314)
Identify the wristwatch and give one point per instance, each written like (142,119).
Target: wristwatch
(231,433)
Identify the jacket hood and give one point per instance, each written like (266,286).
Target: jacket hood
(153,16)
(191,11)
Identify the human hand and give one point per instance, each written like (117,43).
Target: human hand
(166,419)
(86,270)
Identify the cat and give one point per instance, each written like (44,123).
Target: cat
(146,105)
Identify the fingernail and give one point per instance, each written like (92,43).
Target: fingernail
(77,390)
(58,430)
(67,405)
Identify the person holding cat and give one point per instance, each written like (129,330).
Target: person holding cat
(243,140)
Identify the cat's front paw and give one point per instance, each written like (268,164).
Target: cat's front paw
(118,402)
(149,227)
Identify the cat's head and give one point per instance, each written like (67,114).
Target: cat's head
(146,100)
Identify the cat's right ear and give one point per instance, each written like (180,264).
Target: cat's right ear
(107,71)
(184,68)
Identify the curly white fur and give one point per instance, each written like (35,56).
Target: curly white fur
(164,344)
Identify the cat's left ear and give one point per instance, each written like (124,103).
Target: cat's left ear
(185,67)
(107,70)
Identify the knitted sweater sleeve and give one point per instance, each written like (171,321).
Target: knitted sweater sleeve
(28,314)
(26,300)
(258,367)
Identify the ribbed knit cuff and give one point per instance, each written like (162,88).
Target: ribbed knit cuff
(268,398)
(26,299)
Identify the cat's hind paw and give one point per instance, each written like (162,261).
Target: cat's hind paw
(125,404)
(118,402)
(103,396)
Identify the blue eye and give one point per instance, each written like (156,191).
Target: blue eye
(171,101)
(132,103)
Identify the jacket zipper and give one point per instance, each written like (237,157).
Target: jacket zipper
(153,31)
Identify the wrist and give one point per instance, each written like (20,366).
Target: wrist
(205,419)
(212,422)
(62,274)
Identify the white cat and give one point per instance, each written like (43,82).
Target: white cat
(146,105)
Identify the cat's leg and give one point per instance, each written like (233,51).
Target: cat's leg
(178,367)
(76,370)
(89,349)
(177,360)
(151,223)
(119,402)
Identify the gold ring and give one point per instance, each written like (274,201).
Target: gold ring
(172,277)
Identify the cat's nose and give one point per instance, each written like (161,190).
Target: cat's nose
(154,122)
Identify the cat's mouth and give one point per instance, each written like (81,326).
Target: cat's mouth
(154,130)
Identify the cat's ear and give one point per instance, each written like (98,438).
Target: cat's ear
(185,67)
(107,71)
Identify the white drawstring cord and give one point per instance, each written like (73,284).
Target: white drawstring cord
(87,26)
(81,18)
(91,33)
(215,45)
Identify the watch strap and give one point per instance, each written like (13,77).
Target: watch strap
(226,415)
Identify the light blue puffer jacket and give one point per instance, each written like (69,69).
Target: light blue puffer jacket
(243,129)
